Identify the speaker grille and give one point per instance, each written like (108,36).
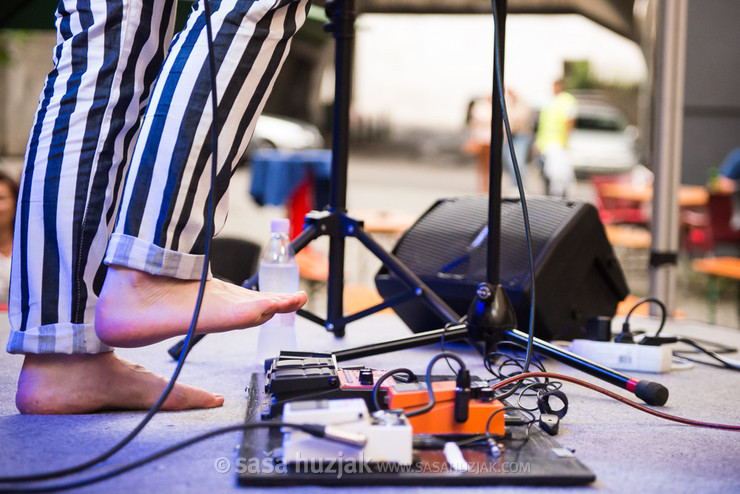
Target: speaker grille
(577,274)
(450,241)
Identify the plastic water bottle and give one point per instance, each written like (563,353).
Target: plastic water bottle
(278,272)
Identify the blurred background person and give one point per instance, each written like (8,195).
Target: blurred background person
(8,199)
(521,125)
(728,183)
(556,122)
(478,144)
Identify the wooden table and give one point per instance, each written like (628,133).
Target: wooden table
(689,196)
(718,267)
(378,221)
(726,267)
(628,236)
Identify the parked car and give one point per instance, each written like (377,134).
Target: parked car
(602,141)
(279,132)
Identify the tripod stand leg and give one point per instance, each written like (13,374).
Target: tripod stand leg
(393,264)
(460,332)
(176,349)
(338,226)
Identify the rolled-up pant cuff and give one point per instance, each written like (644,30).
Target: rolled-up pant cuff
(134,253)
(57,338)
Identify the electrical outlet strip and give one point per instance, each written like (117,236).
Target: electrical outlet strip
(626,356)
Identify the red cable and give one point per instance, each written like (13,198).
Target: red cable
(610,394)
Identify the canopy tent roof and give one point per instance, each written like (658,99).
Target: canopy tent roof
(613,14)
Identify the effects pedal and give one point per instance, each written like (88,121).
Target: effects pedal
(441,418)
(293,372)
(304,376)
(297,376)
(352,433)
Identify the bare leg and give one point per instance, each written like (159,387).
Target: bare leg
(136,308)
(85,383)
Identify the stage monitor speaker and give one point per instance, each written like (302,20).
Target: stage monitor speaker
(577,275)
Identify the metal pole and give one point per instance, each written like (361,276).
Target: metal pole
(495,167)
(668,85)
(343,20)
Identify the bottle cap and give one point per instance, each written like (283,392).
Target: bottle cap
(280,225)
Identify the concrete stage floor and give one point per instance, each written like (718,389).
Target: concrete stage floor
(626,449)
(629,451)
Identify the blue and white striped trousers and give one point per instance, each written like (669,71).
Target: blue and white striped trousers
(117,164)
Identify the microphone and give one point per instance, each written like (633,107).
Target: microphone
(650,392)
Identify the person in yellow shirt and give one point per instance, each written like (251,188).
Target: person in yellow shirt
(556,122)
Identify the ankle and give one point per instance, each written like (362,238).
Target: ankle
(38,384)
(121,296)
(123,278)
(42,362)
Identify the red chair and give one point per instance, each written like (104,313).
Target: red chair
(706,231)
(696,233)
(613,210)
(720,213)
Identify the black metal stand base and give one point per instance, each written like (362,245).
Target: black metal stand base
(491,318)
(338,226)
(334,221)
(479,328)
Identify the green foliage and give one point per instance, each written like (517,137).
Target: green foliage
(578,75)
(7,38)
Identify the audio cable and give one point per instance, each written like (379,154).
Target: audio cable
(321,431)
(520,187)
(610,394)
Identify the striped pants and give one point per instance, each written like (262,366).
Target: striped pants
(117,164)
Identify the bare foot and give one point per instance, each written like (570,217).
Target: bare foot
(85,383)
(137,309)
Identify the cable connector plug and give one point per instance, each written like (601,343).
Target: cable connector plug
(336,434)
(658,340)
(462,396)
(626,335)
(494,447)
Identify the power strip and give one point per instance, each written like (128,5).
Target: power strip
(626,356)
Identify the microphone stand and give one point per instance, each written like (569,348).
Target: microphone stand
(491,318)
(334,220)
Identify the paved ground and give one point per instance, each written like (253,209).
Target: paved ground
(408,183)
(628,451)
(609,438)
